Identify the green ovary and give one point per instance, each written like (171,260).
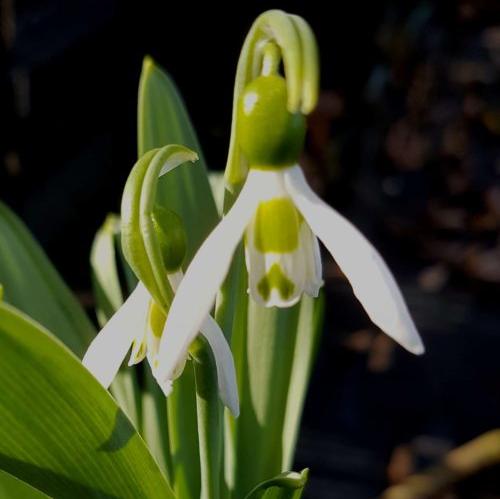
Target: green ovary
(276,228)
(275,279)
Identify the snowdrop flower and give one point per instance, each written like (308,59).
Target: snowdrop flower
(139,322)
(280,219)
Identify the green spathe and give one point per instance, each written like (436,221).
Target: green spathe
(277,224)
(270,136)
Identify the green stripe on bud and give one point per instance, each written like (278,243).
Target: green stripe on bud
(171,236)
(270,136)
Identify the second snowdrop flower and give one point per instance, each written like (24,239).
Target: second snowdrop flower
(154,244)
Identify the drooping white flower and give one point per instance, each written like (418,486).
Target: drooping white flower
(139,322)
(279,274)
(281,219)
(133,325)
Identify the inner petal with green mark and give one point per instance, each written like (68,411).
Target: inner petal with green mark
(156,319)
(275,279)
(276,226)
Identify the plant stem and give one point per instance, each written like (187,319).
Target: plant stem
(209,421)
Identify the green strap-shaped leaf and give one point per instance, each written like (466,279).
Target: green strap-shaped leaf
(309,327)
(273,350)
(32,284)
(13,488)
(288,485)
(60,431)
(105,282)
(162,120)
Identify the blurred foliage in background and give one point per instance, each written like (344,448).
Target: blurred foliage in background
(405,140)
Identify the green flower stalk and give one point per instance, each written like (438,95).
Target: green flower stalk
(154,244)
(276,213)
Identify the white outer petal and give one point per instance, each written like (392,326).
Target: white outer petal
(226,373)
(224,362)
(371,280)
(108,349)
(203,278)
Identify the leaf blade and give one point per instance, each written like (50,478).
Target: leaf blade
(163,119)
(61,432)
(32,284)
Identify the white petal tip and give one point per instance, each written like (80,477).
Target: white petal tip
(235,411)
(408,338)
(164,382)
(417,349)
(233,404)
(166,387)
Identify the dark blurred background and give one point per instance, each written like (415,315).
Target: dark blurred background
(405,141)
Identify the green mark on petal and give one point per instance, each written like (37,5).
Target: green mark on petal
(275,278)
(156,319)
(138,351)
(276,226)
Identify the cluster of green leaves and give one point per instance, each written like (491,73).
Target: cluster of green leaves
(63,435)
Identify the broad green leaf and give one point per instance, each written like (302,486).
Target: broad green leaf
(268,350)
(162,120)
(274,364)
(61,432)
(32,284)
(13,488)
(288,485)
(309,329)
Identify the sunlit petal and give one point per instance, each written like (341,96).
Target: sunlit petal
(370,278)
(226,373)
(196,292)
(311,260)
(108,349)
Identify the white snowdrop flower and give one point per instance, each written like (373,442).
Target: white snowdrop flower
(280,219)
